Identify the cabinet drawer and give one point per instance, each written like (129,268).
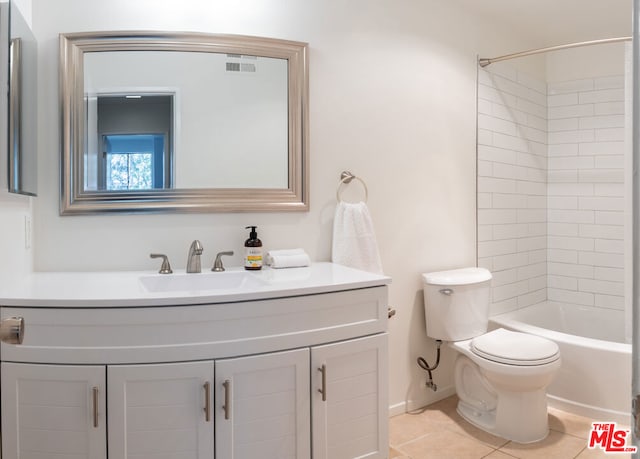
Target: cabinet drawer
(198,332)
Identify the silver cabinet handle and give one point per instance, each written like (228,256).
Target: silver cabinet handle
(12,330)
(227,399)
(207,401)
(95,406)
(323,390)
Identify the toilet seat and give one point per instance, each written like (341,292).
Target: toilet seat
(514,348)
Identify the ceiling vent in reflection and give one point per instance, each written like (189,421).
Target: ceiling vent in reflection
(242,64)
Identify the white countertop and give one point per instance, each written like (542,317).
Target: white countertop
(124,288)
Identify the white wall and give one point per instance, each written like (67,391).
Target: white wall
(392,98)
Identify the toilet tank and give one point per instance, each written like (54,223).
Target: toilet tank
(456,303)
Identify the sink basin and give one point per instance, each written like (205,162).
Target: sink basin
(227,280)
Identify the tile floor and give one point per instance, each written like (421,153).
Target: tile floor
(439,432)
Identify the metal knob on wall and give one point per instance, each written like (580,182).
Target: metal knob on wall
(12,330)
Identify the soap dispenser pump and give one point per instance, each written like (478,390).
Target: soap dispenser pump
(253,251)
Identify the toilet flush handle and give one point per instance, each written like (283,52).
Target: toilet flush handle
(446,291)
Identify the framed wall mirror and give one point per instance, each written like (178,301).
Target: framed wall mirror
(182,122)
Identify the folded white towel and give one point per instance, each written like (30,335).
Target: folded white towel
(354,240)
(288,258)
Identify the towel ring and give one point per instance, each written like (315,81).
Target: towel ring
(345,178)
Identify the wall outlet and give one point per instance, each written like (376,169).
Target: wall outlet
(27,232)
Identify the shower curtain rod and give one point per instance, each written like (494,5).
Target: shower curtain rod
(486,61)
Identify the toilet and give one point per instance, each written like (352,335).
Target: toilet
(500,376)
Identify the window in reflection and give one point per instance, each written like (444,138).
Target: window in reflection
(133,162)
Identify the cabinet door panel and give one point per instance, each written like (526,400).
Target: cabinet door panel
(48,411)
(352,422)
(269,412)
(157,411)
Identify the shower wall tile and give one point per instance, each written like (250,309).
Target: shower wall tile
(512,185)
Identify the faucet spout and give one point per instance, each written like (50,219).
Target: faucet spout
(193,260)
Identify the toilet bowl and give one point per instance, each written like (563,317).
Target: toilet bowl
(500,376)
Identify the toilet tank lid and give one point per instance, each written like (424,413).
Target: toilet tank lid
(462,276)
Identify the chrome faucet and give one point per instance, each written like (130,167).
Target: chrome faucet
(193,260)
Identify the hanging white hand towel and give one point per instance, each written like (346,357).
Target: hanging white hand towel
(354,240)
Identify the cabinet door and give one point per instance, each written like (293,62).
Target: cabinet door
(50,411)
(161,411)
(263,406)
(349,399)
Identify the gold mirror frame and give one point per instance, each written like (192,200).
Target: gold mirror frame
(74,200)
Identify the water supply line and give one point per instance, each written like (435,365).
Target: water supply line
(422,363)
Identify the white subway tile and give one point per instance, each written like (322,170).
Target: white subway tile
(531,215)
(493,95)
(609,274)
(561,87)
(496,216)
(529,160)
(607,260)
(571,162)
(563,202)
(494,124)
(609,108)
(485,232)
(531,271)
(534,188)
(563,256)
(486,263)
(485,169)
(509,201)
(562,282)
(562,176)
(570,111)
(610,245)
(602,231)
(609,301)
(609,217)
(536,175)
(570,243)
(610,82)
(537,283)
(531,107)
(563,229)
(535,229)
(536,202)
(610,162)
(496,185)
(570,216)
(568,296)
(532,83)
(600,122)
(489,153)
(563,149)
(570,270)
(506,231)
(533,297)
(538,148)
(492,248)
(601,176)
(501,307)
(507,85)
(506,276)
(531,243)
(609,189)
(510,142)
(563,124)
(485,107)
(507,291)
(601,95)
(601,287)
(538,256)
(508,113)
(571,136)
(536,122)
(535,97)
(484,200)
(570,189)
(535,135)
(503,69)
(600,203)
(507,171)
(484,137)
(602,148)
(609,134)
(558,100)
(514,260)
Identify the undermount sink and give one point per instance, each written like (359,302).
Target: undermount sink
(227,280)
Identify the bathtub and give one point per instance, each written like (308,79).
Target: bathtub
(595,376)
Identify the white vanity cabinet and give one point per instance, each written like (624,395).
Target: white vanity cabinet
(51,411)
(294,376)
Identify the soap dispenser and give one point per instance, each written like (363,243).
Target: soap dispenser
(253,250)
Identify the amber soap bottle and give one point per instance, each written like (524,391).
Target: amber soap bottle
(253,251)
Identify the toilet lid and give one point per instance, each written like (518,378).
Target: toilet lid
(514,348)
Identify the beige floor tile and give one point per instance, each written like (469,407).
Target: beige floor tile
(433,418)
(446,445)
(395,454)
(601,454)
(555,446)
(497,454)
(571,424)
(459,425)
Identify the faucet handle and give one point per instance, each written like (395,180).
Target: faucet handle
(165,268)
(217,264)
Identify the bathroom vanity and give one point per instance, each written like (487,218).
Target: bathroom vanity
(275,364)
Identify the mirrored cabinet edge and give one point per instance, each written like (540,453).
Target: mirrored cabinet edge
(75,200)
